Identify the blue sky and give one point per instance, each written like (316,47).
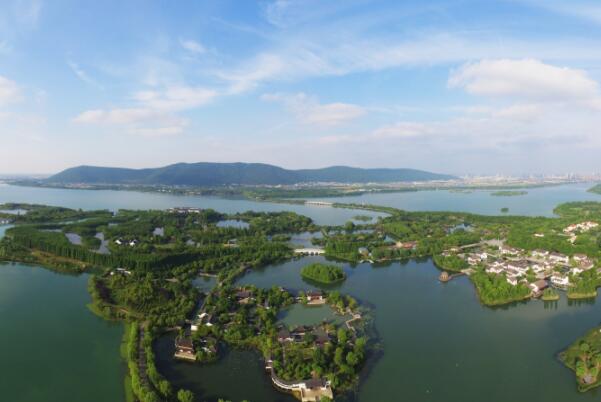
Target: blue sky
(452,86)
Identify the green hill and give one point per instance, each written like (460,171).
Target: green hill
(217,174)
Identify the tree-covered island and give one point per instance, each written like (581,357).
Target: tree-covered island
(323,273)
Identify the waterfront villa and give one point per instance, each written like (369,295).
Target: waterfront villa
(244,296)
(313,390)
(315,297)
(560,281)
(184,348)
(203,318)
(284,335)
(538,286)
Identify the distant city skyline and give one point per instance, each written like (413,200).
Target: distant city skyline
(459,87)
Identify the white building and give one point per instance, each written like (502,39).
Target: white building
(559,258)
(561,281)
(540,253)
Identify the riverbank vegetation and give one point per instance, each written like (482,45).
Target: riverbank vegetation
(323,273)
(550,295)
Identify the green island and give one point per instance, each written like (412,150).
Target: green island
(596,189)
(508,193)
(323,273)
(504,210)
(144,262)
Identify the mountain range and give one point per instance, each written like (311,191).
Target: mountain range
(219,174)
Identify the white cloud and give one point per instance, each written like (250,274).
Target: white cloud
(9,91)
(524,79)
(320,54)
(308,109)
(192,46)
(263,67)
(176,98)
(142,121)
(154,113)
(82,75)
(521,112)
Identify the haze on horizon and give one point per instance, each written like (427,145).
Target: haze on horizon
(448,86)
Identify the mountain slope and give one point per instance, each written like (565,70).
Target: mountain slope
(217,174)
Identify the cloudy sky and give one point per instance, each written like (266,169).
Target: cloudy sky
(462,86)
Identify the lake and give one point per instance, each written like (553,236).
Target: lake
(539,201)
(53,348)
(440,343)
(115,200)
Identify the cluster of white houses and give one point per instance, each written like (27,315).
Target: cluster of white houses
(576,228)
(580,227)
(516,264)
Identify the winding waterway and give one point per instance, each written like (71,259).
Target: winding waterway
(439,343)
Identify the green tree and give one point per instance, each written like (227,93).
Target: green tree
(183,395)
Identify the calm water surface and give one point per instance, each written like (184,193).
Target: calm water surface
(538,202)
(114,200)
(52,348)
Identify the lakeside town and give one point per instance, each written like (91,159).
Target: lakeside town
(536,269)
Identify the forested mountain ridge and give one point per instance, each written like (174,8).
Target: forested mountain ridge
(216,174)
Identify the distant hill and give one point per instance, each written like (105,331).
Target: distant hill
(218,174)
